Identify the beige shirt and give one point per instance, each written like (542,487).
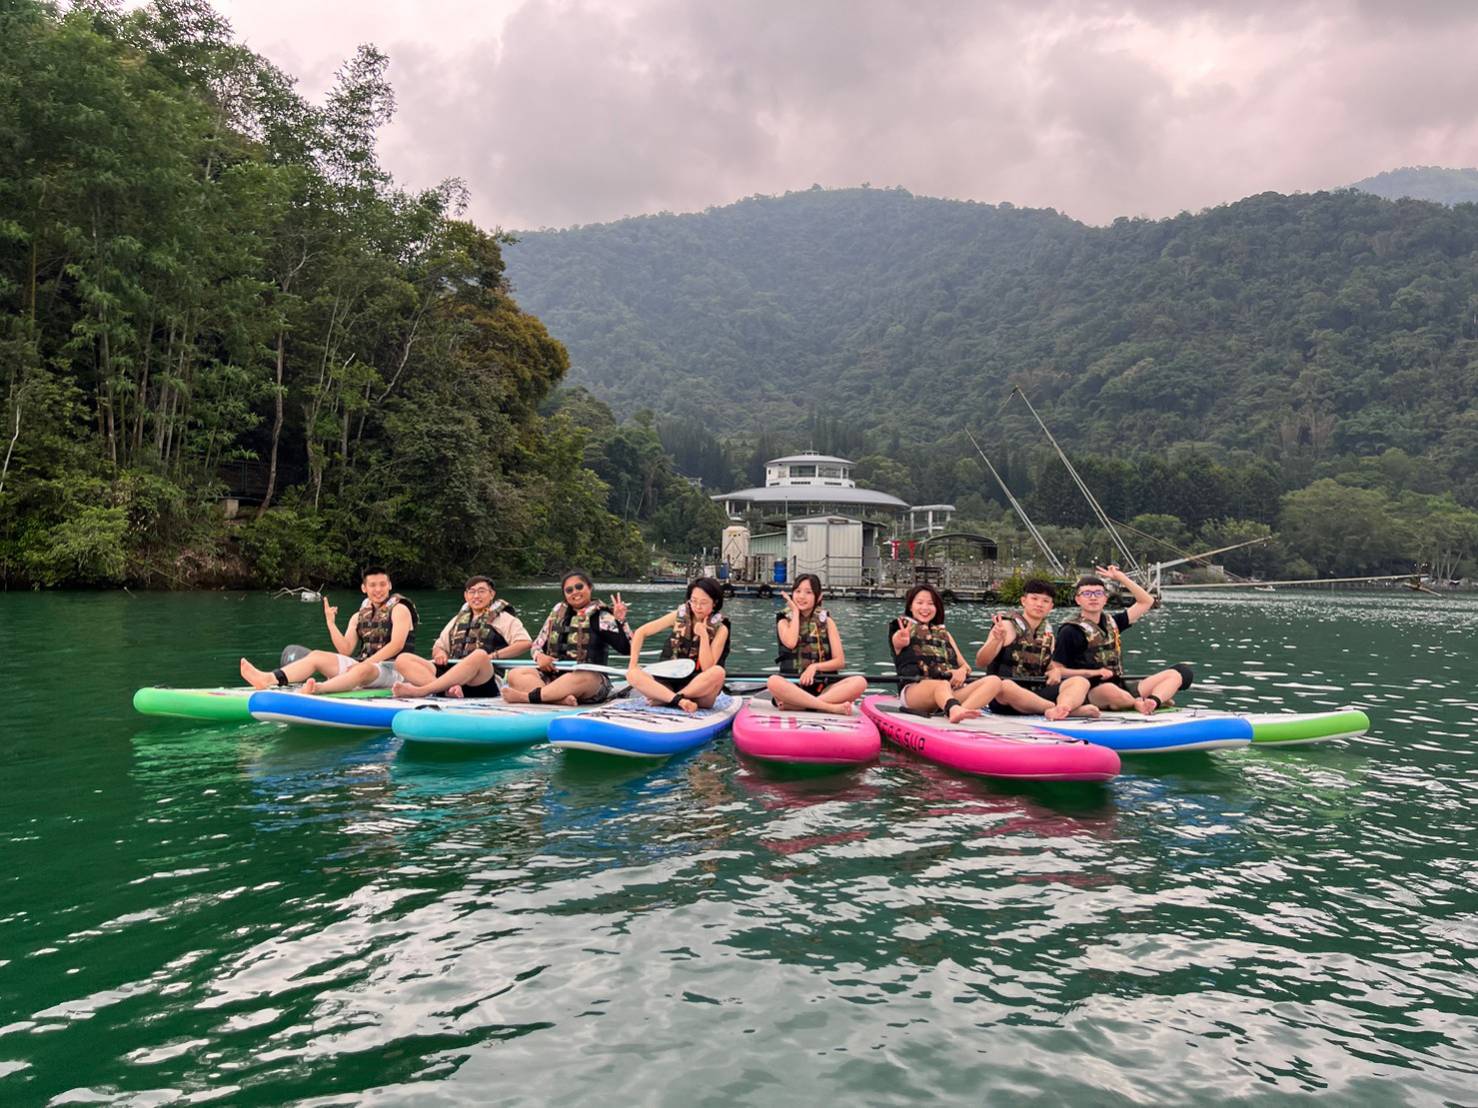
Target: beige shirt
(505,623)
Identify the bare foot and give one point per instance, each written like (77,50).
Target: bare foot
(255,677)
(571,701)
(957,714)
(1144,706)
(514,696)
(1086,711)
(310,686)
(843,709)
(688,705)
(455,692)
(406,689)
(1057,712)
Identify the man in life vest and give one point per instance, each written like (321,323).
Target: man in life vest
(364,654)
(485,631)
(1019,651)
(1089,646)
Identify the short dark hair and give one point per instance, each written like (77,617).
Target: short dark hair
(478,579)
(1039,585)
(934,593)
(714,590)
(372,571)
(1088,579)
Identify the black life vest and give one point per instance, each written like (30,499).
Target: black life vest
(928,655)
(1030,654)
(683,642)
(1104,648)
(812,644)
(572,635)
(471,633)
(375,630)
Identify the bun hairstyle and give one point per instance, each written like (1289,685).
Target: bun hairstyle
(934,595)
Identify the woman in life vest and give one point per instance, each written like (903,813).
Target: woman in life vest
(932,670)
(485,631)
(364,652)
(579,629)
(698,632)
(811,655)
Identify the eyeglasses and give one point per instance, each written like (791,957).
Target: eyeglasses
(481,589)
(1091,594)
(575,588)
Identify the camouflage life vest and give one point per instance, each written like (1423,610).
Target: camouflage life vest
(1104,648)
(812,643)
(1030,654)
(471,632)
(683,642)
(574,640)
(932,655)
(375,630)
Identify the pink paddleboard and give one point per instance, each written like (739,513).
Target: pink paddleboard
(970,746)
(804,738)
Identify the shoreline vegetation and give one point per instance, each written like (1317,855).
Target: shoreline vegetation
(214,301)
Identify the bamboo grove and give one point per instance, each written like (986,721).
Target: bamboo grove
(209,285)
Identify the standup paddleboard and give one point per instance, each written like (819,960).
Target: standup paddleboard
(221,705)
(763,731)
(1184,729)
(636,729)
(1295,728)
(363,715)
(492,725)
(1170,731)
(974,746)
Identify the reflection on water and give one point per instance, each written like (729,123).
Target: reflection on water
(261,914)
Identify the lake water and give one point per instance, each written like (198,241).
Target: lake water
(263,915)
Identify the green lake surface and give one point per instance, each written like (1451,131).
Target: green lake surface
(263,915)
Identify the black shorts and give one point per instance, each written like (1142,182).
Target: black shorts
(1094,682)
(816,688)
(487,688)
(1046,692)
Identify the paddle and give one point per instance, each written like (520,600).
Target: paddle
(893,679)
(667,667)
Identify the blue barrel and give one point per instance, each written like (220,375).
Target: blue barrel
(723,571)
(779,571)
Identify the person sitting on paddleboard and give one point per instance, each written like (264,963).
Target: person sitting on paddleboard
(699,632)
(1019,651)
(579,629)
(364,654)
(931,667)
(1089,646)
(483,632)
(810,655)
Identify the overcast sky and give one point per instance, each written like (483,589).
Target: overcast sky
(558,112)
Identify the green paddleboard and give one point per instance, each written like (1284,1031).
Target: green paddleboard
(219,705)
(1292,728)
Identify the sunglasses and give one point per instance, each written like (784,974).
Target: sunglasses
(575,588)
(1091,593)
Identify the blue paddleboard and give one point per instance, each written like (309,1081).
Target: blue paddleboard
(639,730)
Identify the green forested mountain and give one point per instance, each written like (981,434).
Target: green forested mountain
(209,285)
(1203,367)
(1424,182)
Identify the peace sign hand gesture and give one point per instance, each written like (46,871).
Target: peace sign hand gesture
(618,607)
